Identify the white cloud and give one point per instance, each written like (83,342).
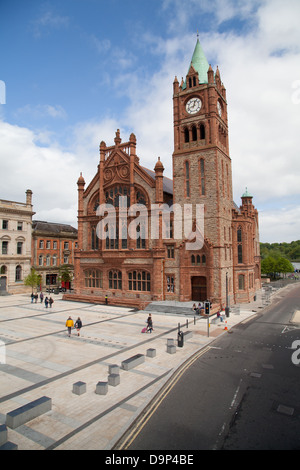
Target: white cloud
(42,111)
(47,21)
(48,171)
(281,225)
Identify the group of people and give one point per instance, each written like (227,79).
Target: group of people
(197,309)
(70,325)
(48,300)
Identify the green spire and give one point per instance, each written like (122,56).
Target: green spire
(200,64)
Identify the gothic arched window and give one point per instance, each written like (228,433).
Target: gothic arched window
(18,273)
(139,281)
(187,179)
(239,245)
(202,177)
(115,280)
(186,135)
(202,131)
(194,133)
(93,278)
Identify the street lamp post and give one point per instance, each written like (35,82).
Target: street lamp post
(227,306)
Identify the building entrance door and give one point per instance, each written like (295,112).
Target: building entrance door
(199,289)
(3,284)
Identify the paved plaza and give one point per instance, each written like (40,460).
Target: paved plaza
(41,360)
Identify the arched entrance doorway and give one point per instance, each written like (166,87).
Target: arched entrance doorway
(199,288)
(3,283)
(3,279)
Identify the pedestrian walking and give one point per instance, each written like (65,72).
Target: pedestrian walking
(149,323)
(46,302)
(41,297)
(32,297)
(51,302)
(78,326)
(69,325)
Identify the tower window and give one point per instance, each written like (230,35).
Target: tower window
(194,81)
(187,179)
(202,131)
(186,135)
(190,83)
(194,133)
(202,177)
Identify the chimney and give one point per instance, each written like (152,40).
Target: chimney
(29,197)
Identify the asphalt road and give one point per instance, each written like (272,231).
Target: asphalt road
(242,393)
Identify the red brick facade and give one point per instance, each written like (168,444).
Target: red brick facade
(132,270)
(53,246)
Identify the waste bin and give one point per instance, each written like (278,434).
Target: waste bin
(180,339)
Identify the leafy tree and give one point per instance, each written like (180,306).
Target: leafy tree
(33,279)
(283,265)
(271,266)
(268,266)
(65,274)
(291,251)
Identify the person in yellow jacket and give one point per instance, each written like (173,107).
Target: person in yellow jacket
(69,325)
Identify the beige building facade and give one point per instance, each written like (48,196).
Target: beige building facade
(15,244)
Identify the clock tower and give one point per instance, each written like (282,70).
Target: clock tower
(202,174)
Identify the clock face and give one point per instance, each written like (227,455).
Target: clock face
(193,105)
(219,106)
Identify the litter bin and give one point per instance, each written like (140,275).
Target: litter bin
(180,339)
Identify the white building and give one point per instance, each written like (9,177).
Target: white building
(15,244)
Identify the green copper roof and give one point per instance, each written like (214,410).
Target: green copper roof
(200,64)
(246,194)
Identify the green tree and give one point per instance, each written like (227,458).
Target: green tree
(33,279)
(65,274)
(273,265)
(268,266)
(283,265)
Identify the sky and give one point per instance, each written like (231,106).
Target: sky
(72,72)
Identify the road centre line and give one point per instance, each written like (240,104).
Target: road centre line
(161,395)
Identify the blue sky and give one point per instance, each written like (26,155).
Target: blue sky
(76,70)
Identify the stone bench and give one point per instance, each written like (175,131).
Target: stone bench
(101,388)
(133,362)
(79,388)
(3,434)
(171,349)
(28,412)
(4,443)
(113,379)
(187,335)
(113,369)
(151,352)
